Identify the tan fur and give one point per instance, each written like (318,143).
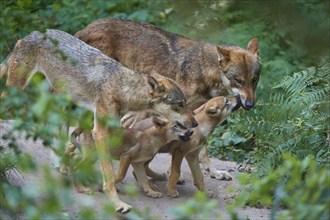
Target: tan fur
(139,146)
(208,116)
(97,82)
(202,70)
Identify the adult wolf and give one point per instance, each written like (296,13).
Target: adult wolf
(97,82)
(203,70)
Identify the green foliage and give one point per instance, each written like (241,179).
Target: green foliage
(20,17)
(292,114)
(198,207)
(296,121)
(8,166)
(297,189)
(230,143)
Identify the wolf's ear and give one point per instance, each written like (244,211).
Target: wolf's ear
(155,86)
(159,121)
(212,110)
(155,75)
(199,109)
(224,55)
(253,46)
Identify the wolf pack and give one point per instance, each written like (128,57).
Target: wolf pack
(168,91)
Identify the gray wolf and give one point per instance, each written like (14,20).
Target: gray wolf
(96,82)
(140,144)
(202,70)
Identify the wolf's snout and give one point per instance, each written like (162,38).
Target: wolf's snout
(194,123)
(186,136)
(249,103)
(189,132)
(188,123)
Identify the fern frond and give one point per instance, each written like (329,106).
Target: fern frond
(298,82)
(324,68)
(315,95)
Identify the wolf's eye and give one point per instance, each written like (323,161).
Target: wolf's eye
(180,104)
(238,81)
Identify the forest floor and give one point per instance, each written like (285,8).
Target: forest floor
(160,207)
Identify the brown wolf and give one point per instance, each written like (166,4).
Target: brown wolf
(139,146)
(97,82)
(203,70)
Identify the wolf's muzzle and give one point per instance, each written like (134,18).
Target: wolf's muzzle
(194,123)
(249,104)
(186,135)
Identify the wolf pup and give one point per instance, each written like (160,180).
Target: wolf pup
(203,70)
(208,116)
(138,147)
(97,82)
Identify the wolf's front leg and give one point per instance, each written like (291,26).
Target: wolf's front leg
(143,181)
(175,171)
(100,136)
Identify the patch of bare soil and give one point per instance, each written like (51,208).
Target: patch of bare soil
(159,207)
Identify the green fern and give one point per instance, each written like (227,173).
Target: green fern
(298,82)
(8,166)
(309,85)
(294,120)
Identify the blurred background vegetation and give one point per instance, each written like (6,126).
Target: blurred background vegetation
(286,137)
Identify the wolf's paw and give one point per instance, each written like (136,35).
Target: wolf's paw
(181,181)
(122,207)
(153,186)
(172,193)
(154,194)
(87,191)
(221,175)
(82,189)
(64,170)
(211,194)
(131,118)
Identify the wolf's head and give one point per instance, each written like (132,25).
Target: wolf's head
(171,130)
(241,68)
(218,108)
(169,100)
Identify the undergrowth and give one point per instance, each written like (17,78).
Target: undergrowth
(296,119)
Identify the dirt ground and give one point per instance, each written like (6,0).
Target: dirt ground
(158,207)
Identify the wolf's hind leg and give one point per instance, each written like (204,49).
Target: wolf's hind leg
(209,166)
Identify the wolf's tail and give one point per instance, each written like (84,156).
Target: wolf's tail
(4,67)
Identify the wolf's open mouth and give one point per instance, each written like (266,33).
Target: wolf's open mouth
(238,104)
(185,137)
